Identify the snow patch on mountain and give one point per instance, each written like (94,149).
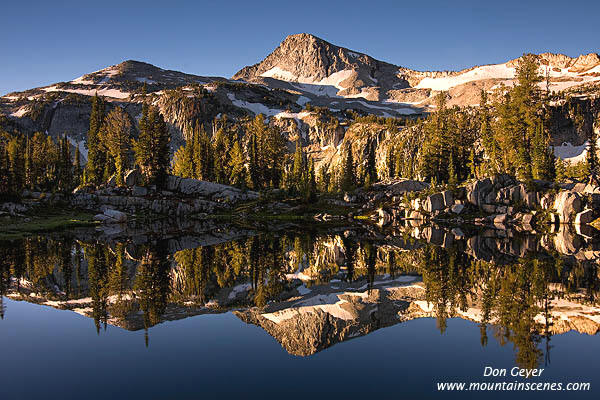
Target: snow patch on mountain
(82,81)
(256,108)
(20,112)
(571,154)
(281,74)
(115,93)
(328,86)
(496,71)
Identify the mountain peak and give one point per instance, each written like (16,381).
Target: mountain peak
(303,37)
(304,57)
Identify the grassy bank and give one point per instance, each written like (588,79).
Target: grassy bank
(49,220)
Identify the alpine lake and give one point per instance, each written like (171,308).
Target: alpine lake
(189,309)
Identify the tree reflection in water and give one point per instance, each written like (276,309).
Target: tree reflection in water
(138,286)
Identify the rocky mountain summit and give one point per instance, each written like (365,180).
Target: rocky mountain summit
(303,70)
(311,64)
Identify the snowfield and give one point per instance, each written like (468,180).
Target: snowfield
(256,108)
(328,86)
(497,71)
(502,71)
(20,112)
(115,93)
(572,154)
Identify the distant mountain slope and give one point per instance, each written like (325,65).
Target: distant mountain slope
(310,64)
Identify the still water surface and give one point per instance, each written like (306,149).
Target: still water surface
(299,314)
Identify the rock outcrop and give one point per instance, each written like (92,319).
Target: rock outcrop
(506,202)
(182,197)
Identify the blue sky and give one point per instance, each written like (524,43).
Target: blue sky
(51,41)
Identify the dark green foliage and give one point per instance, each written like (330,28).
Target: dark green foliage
(152,147)
(371,168)
(95,167)
(348,181)
(237,168)
(117,141)
(390,162)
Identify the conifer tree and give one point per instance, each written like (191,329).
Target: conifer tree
(542,157)
(391,162)
(297,178)
(371,168)
(203,155)
(253,175)
(323,180)
(237,165)
(472,164)
(28,165)
(117,141)
(16,164)
(77,167)
(187,169)
(348,179)
(452,177)
(65,171)
(152,147)
(311,184)
(95,167)
(5,175)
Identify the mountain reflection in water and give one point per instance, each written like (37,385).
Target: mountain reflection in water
(311,290)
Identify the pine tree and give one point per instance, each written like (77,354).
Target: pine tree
(117,141)
(324,179)
(452,177)
(391,162)
(5,175)
(561,170)
(371,168)
(65,170)
(77,167)
(592,153)
(28,165)
(348,179)
(221,151)
(472,164)
(253,174)
(152,147)
(275,150)
(237,165)
(203,155)
(95,166)
(297,178)
(542,157)
(16,158)
(311,184)
(187,169)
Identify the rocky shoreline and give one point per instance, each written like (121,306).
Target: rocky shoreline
(497,202)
